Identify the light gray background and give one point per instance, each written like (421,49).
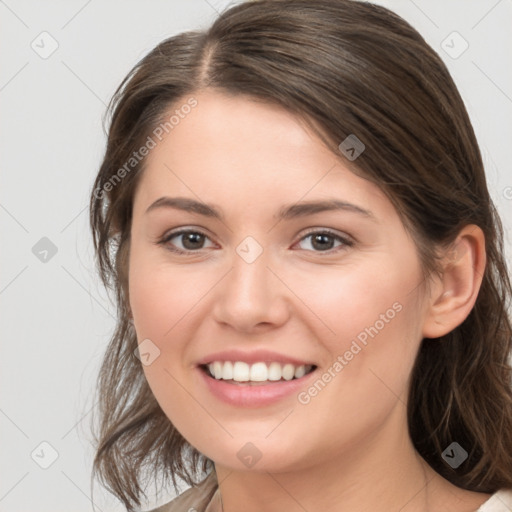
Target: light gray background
(56,318)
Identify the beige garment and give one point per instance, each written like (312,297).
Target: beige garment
(206,498)
(500,501)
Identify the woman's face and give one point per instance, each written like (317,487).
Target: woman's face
(270,278)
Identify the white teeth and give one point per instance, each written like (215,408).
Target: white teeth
(257,372)
(227,370)
(274,371)
(288,371)
(217,369)
(240,372)
(300,371)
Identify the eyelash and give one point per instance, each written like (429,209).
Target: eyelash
(346,242)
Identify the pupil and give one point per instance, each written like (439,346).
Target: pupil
(191,239)
(323,238)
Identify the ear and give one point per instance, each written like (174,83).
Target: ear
(454,294)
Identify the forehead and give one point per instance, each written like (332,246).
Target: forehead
(237,125)
(238,148)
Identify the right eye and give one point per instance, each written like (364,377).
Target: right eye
(190,240)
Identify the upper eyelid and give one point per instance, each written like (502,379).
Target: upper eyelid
(183,231)
(329,231)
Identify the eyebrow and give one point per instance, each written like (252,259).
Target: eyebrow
(286,212)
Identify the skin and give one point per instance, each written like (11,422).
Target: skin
(349,445)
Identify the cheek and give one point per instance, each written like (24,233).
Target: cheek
(162,298)
(166,308)
(163,316)
(365,380)
(372,332)
(349,300)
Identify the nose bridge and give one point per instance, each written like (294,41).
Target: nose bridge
(251,276)
(250,294)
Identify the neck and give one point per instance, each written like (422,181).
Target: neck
(381,471)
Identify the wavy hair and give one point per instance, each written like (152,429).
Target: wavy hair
(344,67)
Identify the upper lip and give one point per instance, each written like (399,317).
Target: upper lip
(255,356)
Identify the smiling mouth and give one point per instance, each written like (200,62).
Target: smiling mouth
(260,373)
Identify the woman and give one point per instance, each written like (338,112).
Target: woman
(309,272)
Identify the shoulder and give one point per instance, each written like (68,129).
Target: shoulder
(500,501)
(195,499)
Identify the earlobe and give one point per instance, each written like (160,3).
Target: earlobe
(457,290)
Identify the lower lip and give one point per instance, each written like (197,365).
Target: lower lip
(247,395)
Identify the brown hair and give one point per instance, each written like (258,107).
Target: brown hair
(344,67)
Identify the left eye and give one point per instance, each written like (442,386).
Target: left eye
(321,241)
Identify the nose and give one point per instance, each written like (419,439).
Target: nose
(251,297)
